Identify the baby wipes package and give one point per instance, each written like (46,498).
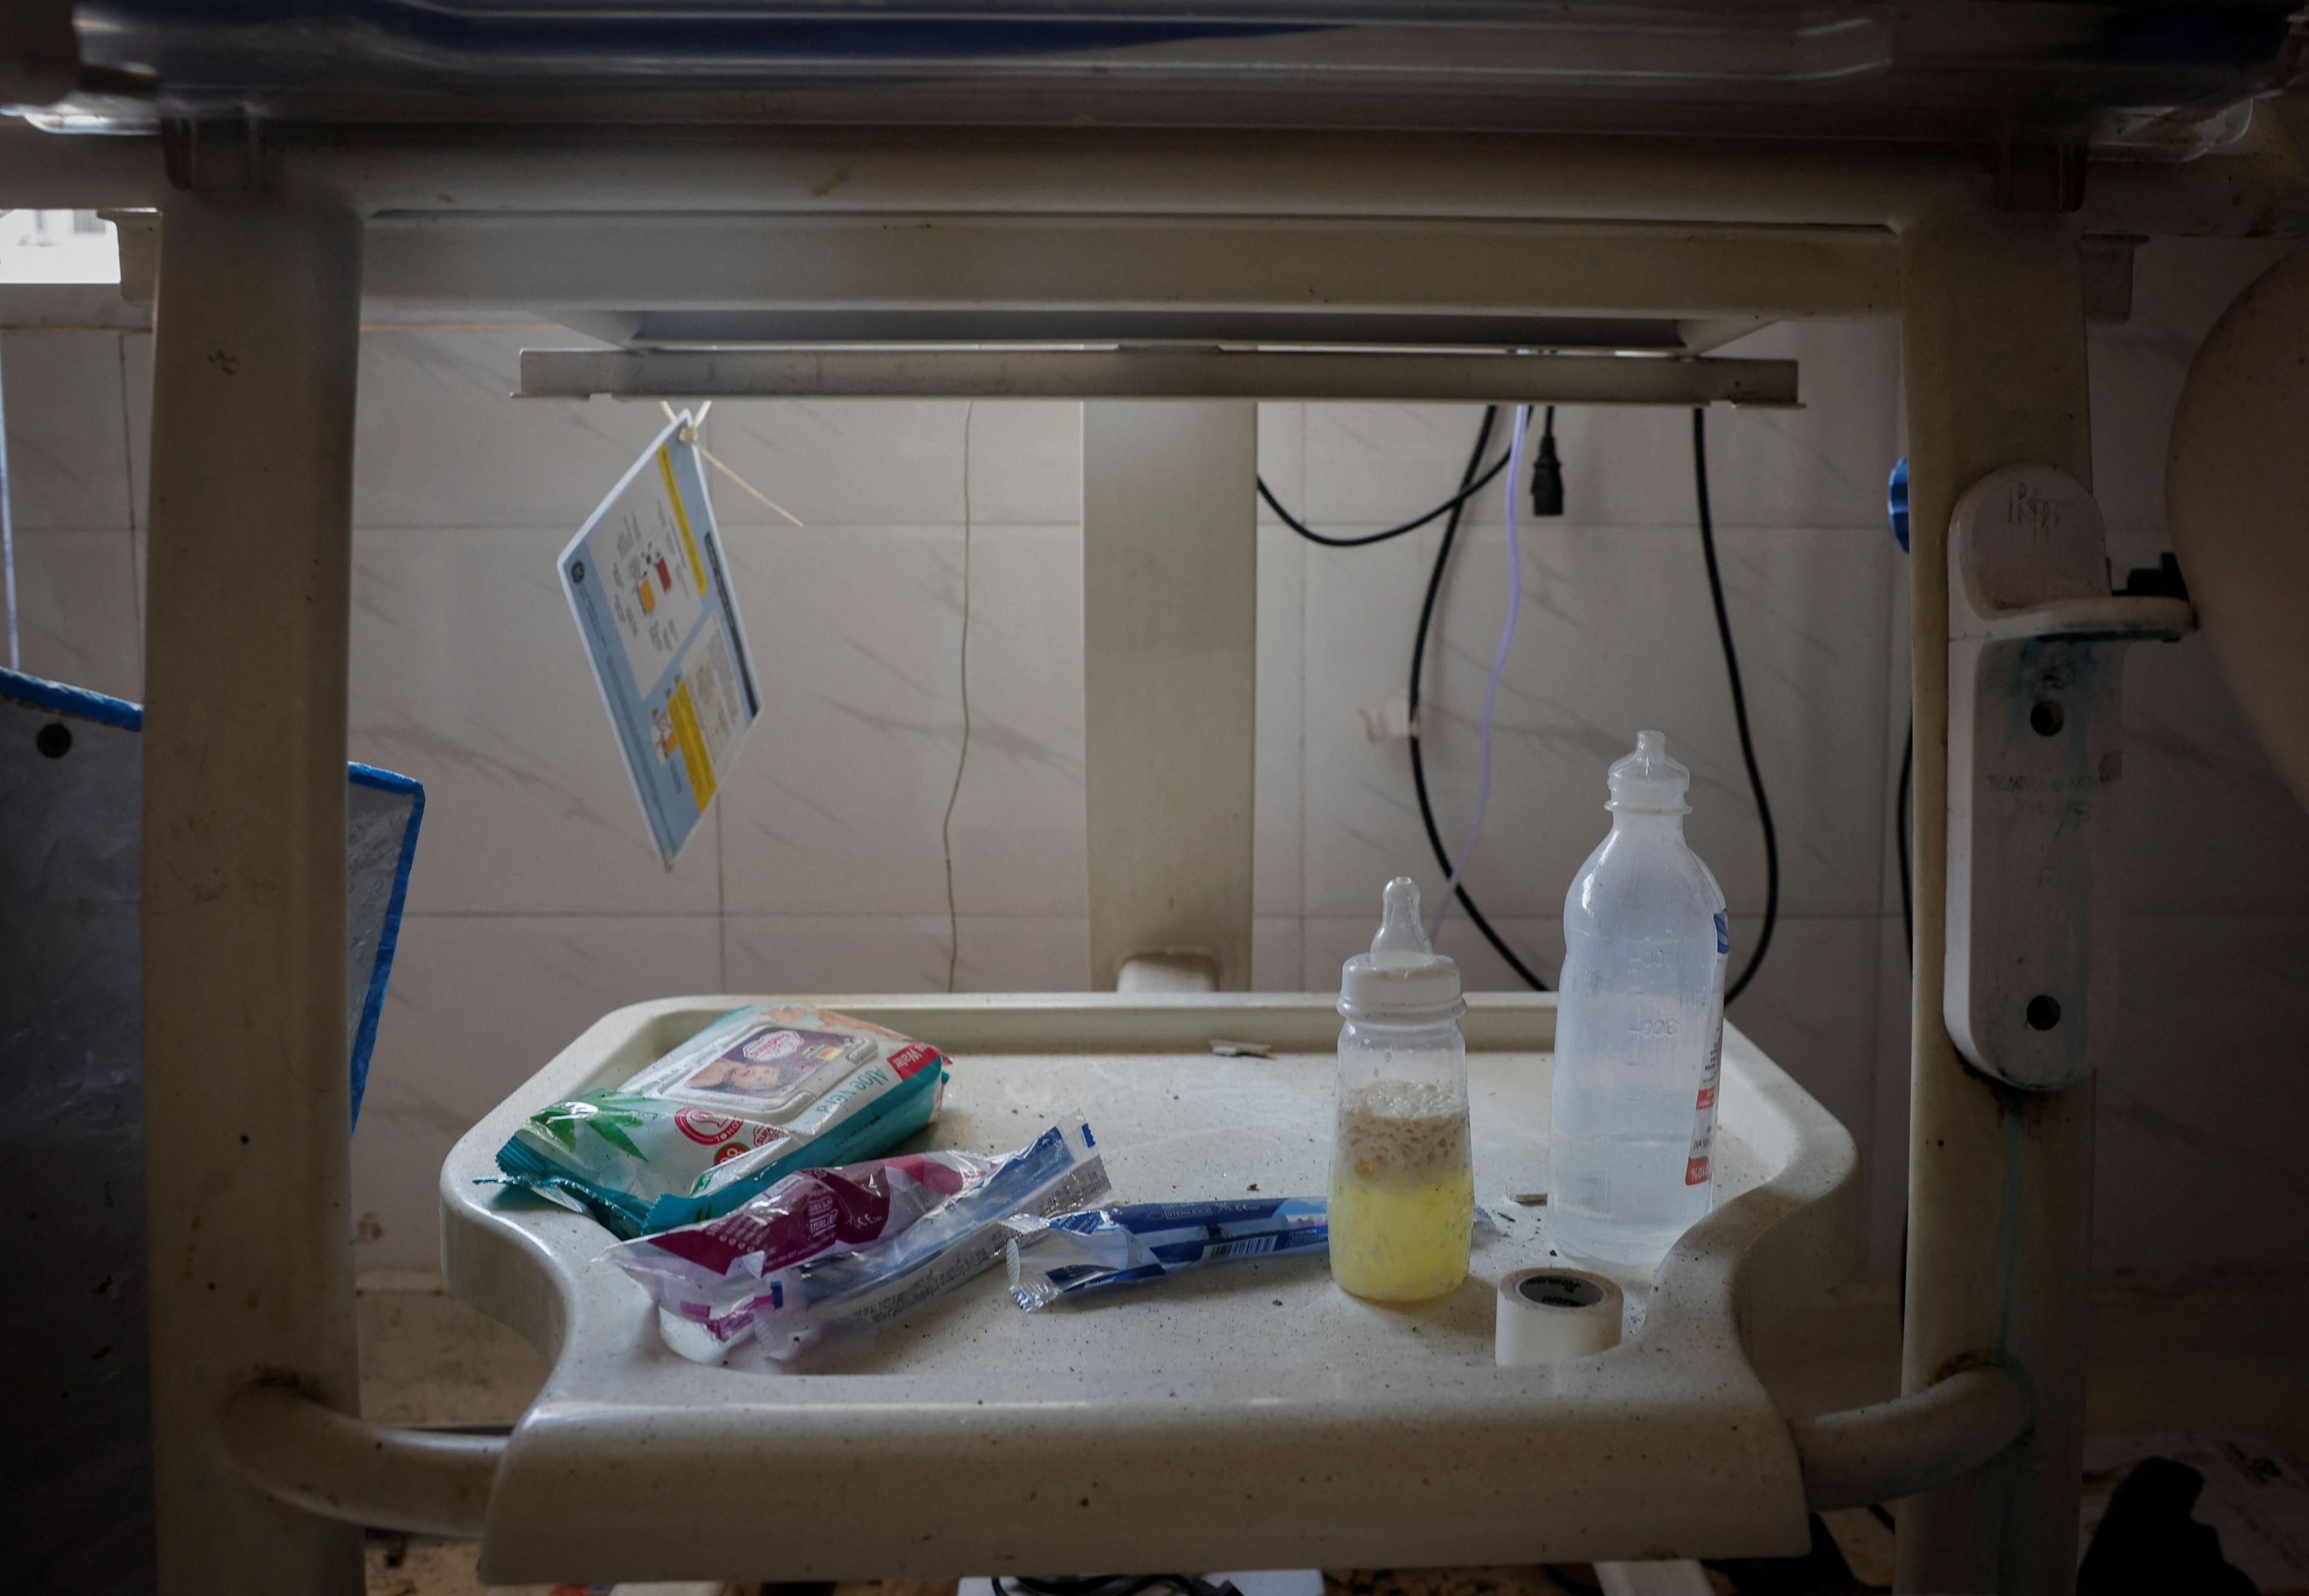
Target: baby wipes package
(759,1094)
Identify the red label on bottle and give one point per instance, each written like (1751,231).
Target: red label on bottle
(1703,1105)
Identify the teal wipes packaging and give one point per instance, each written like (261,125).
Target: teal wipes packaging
(758,1094)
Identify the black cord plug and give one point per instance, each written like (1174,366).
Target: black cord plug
(1547,473)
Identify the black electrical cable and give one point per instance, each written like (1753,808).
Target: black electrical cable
(1900,822)
(1471,482)
(1739,708)
(1418,658)
(1469,486)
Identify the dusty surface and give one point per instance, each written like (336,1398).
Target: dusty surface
(427,1357)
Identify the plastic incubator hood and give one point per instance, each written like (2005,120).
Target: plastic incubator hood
(2237,496)
(2163,78)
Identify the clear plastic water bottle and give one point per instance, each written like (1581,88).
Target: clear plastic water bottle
(1639,1030)
(1403,1187)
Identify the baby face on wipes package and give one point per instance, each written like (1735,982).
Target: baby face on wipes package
(762,1092)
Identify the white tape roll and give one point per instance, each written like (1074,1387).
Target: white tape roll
(1548,1315)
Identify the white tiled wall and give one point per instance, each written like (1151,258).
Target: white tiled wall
(538,902)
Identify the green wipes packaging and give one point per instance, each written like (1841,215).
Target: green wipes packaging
(758,1094)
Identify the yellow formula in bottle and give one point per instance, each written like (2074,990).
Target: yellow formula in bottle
(1402,1192)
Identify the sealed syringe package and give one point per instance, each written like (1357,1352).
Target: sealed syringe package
(1057,1256)
(839,1252)
(762,1092)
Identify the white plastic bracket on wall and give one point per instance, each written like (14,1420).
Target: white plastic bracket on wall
(2035,707)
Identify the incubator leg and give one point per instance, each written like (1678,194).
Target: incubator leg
(247,1103)
(2000,1181)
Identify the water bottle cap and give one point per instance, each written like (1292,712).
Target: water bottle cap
(1401,980)
(1647,782)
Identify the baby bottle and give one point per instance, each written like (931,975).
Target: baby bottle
(1403,1187)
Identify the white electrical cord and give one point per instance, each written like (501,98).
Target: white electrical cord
(945,825)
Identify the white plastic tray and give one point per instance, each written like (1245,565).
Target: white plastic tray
(1252,1416)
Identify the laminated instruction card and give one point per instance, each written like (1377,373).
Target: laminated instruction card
(648,583)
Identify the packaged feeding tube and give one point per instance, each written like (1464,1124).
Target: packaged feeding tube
(1099,1247)
(1403,1188)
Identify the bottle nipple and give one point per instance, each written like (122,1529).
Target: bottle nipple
(1401,937)
(1401,980)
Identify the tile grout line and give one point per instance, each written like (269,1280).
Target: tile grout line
(561,527)
(1299,553)
(1825,530)
(128,468)
(1876,1171)
(937,915)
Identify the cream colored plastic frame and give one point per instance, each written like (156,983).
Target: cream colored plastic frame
(1247,1417)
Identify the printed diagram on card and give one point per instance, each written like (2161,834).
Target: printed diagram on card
(648,583)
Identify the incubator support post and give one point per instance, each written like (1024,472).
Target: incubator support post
(2000,1180)
(247,1101)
